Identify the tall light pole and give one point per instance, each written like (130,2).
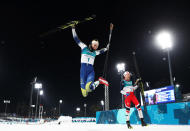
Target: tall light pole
(164,40)
(85,105)
(40,111)
(78,110)
(6,102)
(37,86)
(31,93)
(41,92)
(121,70)
(60,102)
(102,103)
(32,106)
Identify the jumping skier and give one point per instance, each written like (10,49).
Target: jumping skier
(88,54)
(128,91)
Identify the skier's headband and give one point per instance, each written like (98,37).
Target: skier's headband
(95,42)
(126,72)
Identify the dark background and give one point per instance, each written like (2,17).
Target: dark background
(55,59)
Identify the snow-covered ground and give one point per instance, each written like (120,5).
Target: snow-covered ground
(89,127)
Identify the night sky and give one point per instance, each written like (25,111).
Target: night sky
(55,59)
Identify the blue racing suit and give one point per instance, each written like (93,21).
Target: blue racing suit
(87,74)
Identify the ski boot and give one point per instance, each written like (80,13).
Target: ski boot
(129,125)
(142,122)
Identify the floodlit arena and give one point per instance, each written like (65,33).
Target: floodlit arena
(95,65)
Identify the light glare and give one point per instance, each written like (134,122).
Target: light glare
(177,85)
(164,40)
(78,109)
(102,102)
(121,67)
(38,85)
(41,92)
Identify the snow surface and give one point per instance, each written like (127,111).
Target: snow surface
(89,127)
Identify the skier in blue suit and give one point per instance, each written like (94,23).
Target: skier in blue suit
(88,54)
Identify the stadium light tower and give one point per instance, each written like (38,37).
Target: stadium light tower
(164,40)
(30,113)
(78,109)
(60,102)
(32,106)
(37,86)
(177,85)
(41,94)
(85,105)
(102,103)
(121,70)
(6,102)
(120,67)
